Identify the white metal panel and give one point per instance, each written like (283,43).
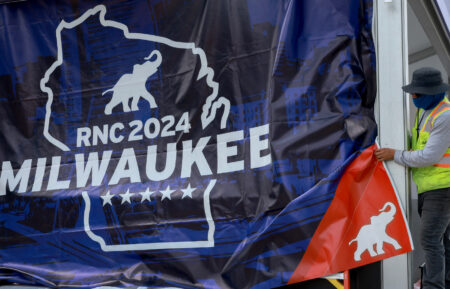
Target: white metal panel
(444,8)
(392,114)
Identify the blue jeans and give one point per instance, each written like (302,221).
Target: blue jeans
(434,209)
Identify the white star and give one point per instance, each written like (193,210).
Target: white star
(146,195)
(188,192)
(107,198)
(126,197)
(166,193)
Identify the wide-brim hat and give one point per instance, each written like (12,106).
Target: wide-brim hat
(426,80)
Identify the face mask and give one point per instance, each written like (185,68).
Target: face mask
(428,101)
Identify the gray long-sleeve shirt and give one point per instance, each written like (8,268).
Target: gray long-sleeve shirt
(437,144)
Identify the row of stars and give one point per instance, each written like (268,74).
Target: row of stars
(145,195)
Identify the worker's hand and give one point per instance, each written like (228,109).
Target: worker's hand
(385,154)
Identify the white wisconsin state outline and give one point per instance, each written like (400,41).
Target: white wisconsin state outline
(210,107)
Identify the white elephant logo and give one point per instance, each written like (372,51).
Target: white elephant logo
(132,85)
(375,233)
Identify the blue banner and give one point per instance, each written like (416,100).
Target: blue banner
(176,143)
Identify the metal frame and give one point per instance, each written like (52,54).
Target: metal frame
(429,17)
(421,55)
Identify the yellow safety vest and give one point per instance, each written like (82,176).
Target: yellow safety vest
(436,176)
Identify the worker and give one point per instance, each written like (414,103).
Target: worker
(430,163)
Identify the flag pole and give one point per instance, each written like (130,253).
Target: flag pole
(346,279)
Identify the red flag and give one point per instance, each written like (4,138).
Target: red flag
(364,223)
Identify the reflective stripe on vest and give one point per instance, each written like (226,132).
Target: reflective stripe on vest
(438,175)
(446,165)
